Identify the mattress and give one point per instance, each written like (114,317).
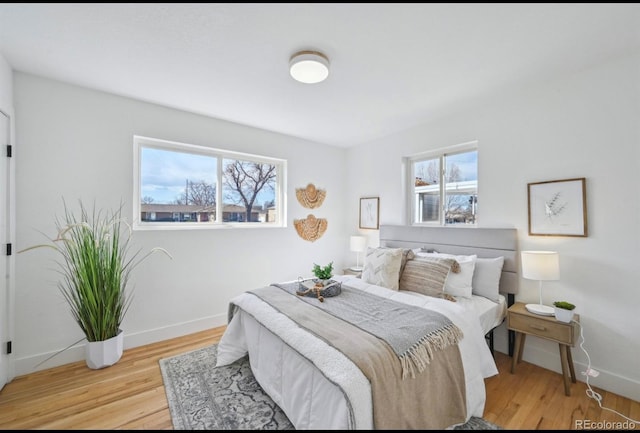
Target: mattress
(317,386)
(490,313)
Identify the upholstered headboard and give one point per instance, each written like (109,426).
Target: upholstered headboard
(484,242)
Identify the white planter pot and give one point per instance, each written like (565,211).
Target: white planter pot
(101,354)
(563,315)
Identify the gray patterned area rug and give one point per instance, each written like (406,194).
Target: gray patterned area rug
(202,397)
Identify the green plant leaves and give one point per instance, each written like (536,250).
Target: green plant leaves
(95,266)
(564,305)
(323,273)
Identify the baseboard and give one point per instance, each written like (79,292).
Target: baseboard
(166,333)
(607,380)
(29,364)
(550,359)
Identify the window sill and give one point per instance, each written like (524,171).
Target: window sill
(204,226)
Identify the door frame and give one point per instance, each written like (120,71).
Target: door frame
(10,227)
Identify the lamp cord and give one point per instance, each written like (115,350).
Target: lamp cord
(590,392)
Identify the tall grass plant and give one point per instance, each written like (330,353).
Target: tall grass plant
(95,263)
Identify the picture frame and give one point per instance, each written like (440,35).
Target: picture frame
(369,213)
(558,208)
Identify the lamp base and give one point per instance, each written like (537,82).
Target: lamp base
(542,310)
(356,268)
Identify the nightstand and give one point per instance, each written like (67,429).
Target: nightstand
(565,334)
(349,271)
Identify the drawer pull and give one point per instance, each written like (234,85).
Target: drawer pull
(538,327)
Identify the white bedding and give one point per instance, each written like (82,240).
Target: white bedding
(490,313)
(317,386)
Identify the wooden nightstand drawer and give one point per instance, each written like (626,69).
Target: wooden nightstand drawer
(540,327)
(521,320)
(524,323)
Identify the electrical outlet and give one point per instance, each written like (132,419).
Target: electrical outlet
(591,372)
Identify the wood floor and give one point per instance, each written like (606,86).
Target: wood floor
(130,395)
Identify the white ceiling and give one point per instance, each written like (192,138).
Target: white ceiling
(393,66)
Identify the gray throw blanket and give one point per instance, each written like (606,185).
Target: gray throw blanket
(413,333)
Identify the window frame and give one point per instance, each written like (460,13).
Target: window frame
(441,155)
(140,142)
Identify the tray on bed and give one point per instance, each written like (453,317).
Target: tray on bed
(319,288)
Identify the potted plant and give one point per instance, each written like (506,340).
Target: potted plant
(95,265)
(323,273)
(563,311)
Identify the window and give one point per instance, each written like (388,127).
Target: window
(443,186)
(187,186)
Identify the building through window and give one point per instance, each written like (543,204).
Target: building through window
(443,186)
(184,185)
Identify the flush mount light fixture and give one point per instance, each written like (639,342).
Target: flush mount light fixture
(309,67)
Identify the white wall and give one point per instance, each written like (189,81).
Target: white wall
(77,143)
(584,125)
(6,85)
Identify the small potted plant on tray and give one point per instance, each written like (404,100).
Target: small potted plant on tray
(323,273)
(563,311)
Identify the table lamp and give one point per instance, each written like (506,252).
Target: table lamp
(359,245)
(541,266)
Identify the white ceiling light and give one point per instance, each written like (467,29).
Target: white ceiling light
(309,67)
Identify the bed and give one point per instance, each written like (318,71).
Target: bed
(486,243)
(319,387)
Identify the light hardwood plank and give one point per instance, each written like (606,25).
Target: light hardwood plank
(537,400)
(130,395)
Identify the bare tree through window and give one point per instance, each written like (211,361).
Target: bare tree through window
(201,186)
(198,193)
(245,180)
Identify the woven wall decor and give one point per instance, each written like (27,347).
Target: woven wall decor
(310,197)
(311,228)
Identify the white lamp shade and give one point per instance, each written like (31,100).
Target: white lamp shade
(540,265)
(309,67)
(358,244)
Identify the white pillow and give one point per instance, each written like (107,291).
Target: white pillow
(486,277)
(458,284)
(382,267)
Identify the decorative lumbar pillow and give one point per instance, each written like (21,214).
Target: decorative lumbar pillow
(426,275)
(486,277)
(433,254)
(407,254)
(382,267)
(458,283)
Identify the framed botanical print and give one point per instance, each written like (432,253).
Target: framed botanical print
(558,208)
(369,209)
